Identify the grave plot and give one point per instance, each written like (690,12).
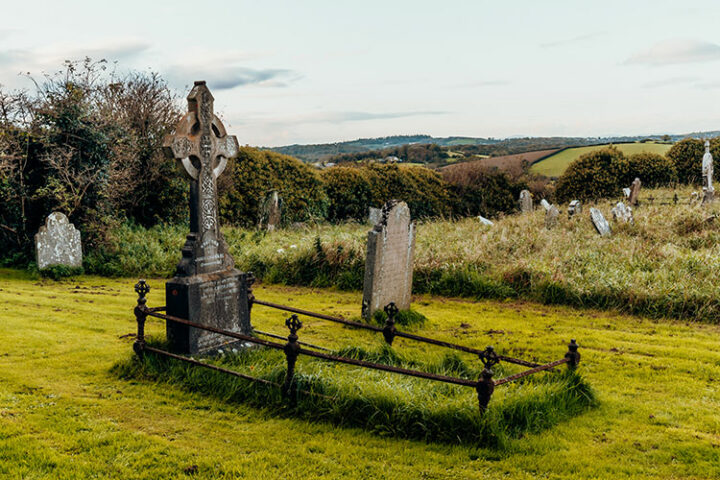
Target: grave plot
(383,389)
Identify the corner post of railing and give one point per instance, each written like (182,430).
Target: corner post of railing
(389,330)
(142,289)
(292,350)
(572,355)
(486,385)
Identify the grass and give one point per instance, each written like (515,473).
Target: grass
(665,265)
(385,404)
(555,165)
(64,413)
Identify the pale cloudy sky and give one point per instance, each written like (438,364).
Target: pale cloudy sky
(319,70)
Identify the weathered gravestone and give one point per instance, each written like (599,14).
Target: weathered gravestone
(634,197)
(58,243)
(526,203)
(206,289)
(622,213)
(271,212)
(545,204)
(707,172)
(551,217)
(626,192)
(485,221)
(601,225)
(374,215)
(389,261)
(574,208)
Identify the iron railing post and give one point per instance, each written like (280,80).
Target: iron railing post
(142,289)
(486,385)
(389,330)
(572,355)
(292,350)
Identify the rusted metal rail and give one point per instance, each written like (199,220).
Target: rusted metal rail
(484,386)
(395,332)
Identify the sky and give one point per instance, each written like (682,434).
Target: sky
(313,71)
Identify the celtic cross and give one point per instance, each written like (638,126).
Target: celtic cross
(201,144)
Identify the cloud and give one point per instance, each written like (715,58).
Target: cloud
(568,41)
(224,78)
(676,51)
(669,82)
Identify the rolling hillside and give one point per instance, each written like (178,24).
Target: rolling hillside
(555,165)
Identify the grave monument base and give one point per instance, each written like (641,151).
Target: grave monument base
(217,299)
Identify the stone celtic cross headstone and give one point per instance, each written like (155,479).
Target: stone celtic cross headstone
(707,172)
(389,261)
(526,203)
(574,208)
(634,197)
(271,212)
(551,217)
(622,213)
(58,243)
(206,289)
(601,225)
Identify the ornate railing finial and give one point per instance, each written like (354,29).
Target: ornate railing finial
(572,354)
(142,289)
(292,350)
(389,330)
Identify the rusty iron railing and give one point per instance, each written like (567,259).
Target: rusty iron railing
(293,348)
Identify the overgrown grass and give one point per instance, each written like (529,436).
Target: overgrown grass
(383,403)
(667,264)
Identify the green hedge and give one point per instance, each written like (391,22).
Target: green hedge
(598,174)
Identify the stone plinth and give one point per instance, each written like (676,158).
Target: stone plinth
(389,261)
(215,299)
(58,243)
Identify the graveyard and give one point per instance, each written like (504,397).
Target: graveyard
(281,245)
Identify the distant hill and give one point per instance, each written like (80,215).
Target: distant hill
(468,146)
(323,151)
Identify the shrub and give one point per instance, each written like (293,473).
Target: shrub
(652,169)
(597,174)
(254,173)
(349,193)
(480,190)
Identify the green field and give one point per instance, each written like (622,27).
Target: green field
(64,414)
(555,165)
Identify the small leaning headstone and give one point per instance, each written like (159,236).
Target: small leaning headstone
(601,225)
(58,243)
(574,208)
(271,212)
(526,203)
(545,204)
(551,217)
(622,213)
(389,260)
(485,221)
(634,197)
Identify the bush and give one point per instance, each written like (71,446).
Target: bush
(652,169)
(479,190)
(349,193)
(687,155)
(254,173)
(597,174)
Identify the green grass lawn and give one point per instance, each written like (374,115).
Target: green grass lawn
(555,165)
(64,414)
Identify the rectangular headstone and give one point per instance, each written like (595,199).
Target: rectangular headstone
(551,217)
(271,212)
(634,197)
(374,215)
(526,203)
(574,208)
(389,261)
(58,243)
